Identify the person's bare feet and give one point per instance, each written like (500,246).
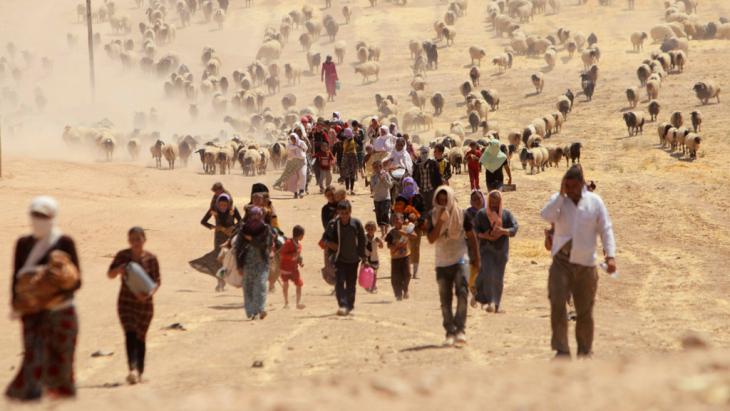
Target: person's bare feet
(301,306)
(262,315)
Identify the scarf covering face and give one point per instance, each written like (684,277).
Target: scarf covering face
(48,238)
(410,188)
(493,157)
(453,228)
(254,224)
(495,217)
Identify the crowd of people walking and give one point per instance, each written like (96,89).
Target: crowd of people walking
(412,198)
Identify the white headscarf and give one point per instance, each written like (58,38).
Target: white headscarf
(453,228)
(44,231)
(298,149)
(402,159)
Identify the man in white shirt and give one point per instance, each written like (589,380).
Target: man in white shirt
(579,217)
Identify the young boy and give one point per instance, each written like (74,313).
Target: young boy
(291,260)
(443,163)
(381,183)
(372,243)
(325,158)
(472,164)
(400,267)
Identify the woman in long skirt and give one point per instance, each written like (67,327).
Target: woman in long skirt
(50,330)
(252,246)
(135,311)
(294,176)
(494,226)
(329,77)
(348,172)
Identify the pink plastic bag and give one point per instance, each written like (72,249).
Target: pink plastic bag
(366,278)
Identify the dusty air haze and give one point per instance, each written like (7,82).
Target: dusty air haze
(669,214)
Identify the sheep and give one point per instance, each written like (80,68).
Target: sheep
(450,35)
(418,98)
(278,154)
(555,156)
(637,40)
(367,70)
(347,14)
(572,47)
(293,74)
(580,40)
(692,144)
(224,157)
(437,101)
(537,158)
(588,86)
(673,43)
(676,119)
(696,117)
(418,83)
(156,151)
(415,48)
(340,47)
(332,28)
(659,32)
(663,130)
(564,105)
(705,90)
(465,89)
(170,152)
(559,120)
(503,61)
(632,94)
(679,58)
(456,159)
(314,60)
(373,53)
(550,57)
(288,101)
(432,56)
(538,81)
(634,122)
(492,98)
(549,122)
(185,149)
(572,153)
(653,109)
(249,160)
(652,89)
(474,121)
(589,57)
(474,75)
(643,73)
(133,148)
(476,53)
(263,163)
(319,102)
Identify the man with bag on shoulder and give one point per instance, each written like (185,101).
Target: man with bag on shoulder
(45,278)
(578,216)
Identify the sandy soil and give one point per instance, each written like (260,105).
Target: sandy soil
(669,215)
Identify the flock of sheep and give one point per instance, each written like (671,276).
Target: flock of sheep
(240,98)
(681,26)
(215,155)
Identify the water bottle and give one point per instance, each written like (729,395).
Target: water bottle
(604,267)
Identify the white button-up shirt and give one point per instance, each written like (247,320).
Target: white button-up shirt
(581,223)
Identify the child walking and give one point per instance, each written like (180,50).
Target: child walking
(381,183)
(325,159)
(472,158)
(372,243)
(400,267)
(291,260)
